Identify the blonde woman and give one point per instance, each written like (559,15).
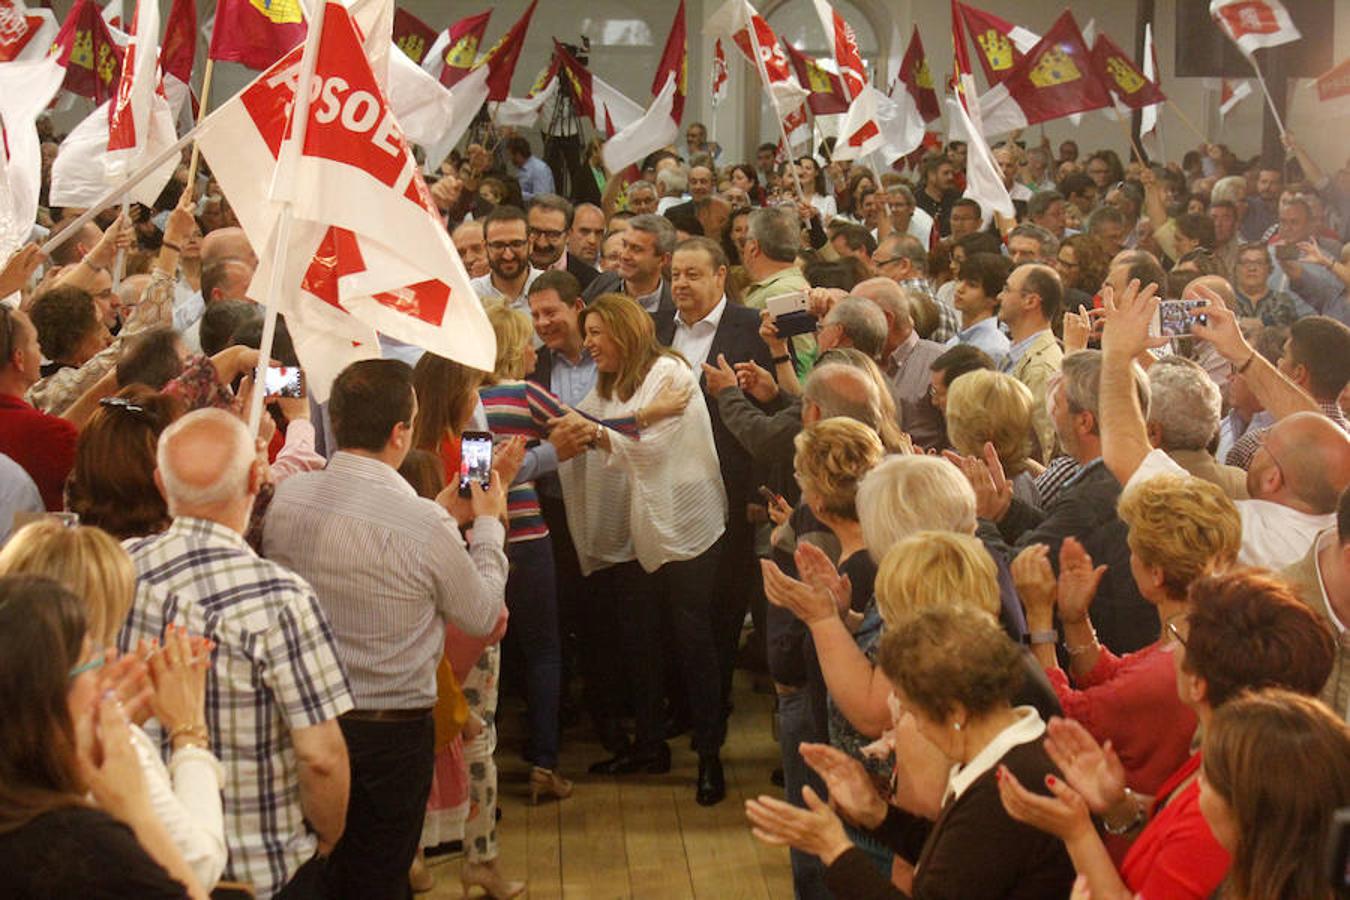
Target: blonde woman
(185,794)
(647,517)
(987,407)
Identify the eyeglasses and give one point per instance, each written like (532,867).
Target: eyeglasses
(550,233)
(503,246)
(94,663)
(1175,631)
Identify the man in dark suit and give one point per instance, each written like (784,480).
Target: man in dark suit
(706,328)
(647,245)
(549,223)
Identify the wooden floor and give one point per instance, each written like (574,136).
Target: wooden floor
(639,836)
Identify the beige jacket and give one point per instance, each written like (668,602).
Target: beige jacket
(1038,365)
(1304,578)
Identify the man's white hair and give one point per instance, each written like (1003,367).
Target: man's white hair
(229,483)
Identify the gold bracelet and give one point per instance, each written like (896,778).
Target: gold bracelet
(195,731)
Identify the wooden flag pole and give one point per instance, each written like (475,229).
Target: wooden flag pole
(201,111)
(1270,101)
(120,265)
(1129,135)
(1176,108)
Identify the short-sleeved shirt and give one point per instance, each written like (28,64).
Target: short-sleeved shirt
(275,669)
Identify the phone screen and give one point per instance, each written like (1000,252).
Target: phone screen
(475,460)
(285,381)
(1177,318)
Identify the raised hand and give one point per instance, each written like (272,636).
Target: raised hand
(815,830)
(805,602)
(817,570)
(1091,769)
(178,673)
(1064,815)
(19,268)
(851,791)
(1078,581)
(756,381)
(1035,582)
(1127,324)
(720,377)
(993,493)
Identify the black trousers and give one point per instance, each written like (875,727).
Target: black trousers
(391,763)
(689,588)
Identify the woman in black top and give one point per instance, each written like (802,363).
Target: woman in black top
(956,671)
(63,736)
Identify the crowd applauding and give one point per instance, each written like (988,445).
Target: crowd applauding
(1037,526)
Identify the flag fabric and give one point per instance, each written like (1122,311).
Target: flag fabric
(524,112)
(455,50)
(25,34)
(984,179)
(255,33)
(1148,116)
(828,95)
(413,36)
(737,20)
(367,251)
(1335,83)
(1132,88)
(92,59)
(797,127)
(26,88)
(112,14)
(674,60)
(719,73)
(177,57)
(876,123)
(595,98)
(502,57)
(1054,79)
(1000,43)
(918,79)
(843,44)
(1231,93)
(654,129)
(1254,24)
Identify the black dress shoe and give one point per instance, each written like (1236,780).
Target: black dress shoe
(653,760)
(712,784)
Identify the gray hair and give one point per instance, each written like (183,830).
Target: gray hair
(906,494)
(891,298)
(1184,403)
(1232,188)
(837,389)
(903,190)
(778,231)
(642,186)
(231,482)
(909,247)
(672,181)
(555,203)
(863,323)
(1082,380)
(1049,246)
(657,226)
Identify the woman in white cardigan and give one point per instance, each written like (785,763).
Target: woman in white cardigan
(647,516)
(185,794)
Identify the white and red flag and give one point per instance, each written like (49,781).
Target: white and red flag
(984,179)
(366,251)
(25,34)
(595,98)
(888,127)
(719,73)
(1231,93)
(738,21)
(523,112)
(26,88)
(844,45)
(1254,24)
(455,50)
(917,78)
(674,61)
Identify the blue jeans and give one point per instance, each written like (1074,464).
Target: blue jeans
(797,724)
(531,596)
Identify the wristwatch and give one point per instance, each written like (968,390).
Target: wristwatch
(1042,637)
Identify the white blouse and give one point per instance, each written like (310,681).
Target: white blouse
(186,798)
(659,499)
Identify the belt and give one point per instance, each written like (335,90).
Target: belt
(387,715)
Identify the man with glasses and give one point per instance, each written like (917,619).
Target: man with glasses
(510,274)
(1253,293)
(769,254)
(903,216)
(904,260)
(548,224)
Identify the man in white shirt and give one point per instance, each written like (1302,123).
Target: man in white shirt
(1296,476)
(508,248)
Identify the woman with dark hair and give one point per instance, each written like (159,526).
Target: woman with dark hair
(1082,263)
(1245,630)
(1277,767)
(647,516)
(63,739)
(112,484)
(744,176)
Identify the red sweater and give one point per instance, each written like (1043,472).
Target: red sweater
(1176,856)
(44,445)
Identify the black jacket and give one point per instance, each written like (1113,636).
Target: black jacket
(583,273)
(612,283)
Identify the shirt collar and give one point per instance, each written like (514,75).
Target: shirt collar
(561,264)
(785,272)
(191,526)
(1026,729)
(710,321)
(651,301)
(1019,349)
(902,352)
(357,466)
(986,324)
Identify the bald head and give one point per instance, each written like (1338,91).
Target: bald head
(894,305)
(226,279)
(205,461)
(77,243)
(222,243)
(1310,458)
(1216,283)
(836,389)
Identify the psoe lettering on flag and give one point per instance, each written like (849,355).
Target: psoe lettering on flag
(1254,24)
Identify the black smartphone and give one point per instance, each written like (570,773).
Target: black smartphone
(285,381)
(475,460)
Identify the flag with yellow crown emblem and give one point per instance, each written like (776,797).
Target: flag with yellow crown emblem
(93,60)
(1056,78)
(413,36)
(918,79)
(1130,86)
(828,95)
(456,49)
(1000,44)
(256,33)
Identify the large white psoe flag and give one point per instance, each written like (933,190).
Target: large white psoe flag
(1254,24)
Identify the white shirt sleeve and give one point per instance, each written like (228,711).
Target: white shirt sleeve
(187,803)
(1156,463)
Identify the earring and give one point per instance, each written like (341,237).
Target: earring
(956,725)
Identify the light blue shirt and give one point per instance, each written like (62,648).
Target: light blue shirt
(535,177)
(570,382)
(1017,351)
(986,335)
(18,494)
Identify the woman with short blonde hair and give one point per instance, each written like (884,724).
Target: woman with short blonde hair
(832,458)
(936,567)
(515,344)
(993,407)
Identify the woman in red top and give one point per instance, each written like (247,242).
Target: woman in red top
(1245,631)
(1180,530)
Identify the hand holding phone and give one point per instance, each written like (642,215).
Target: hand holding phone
(1177,318)
(475,460)
(284,381)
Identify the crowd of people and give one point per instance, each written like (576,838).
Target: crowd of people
(1035,583)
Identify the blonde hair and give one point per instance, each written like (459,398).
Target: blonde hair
(832,457)
(86,561)
(987,406)
(935,567)
(513,330)
(1185,526)
(906,494)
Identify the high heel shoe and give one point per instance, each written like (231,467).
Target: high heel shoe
(549,783)
(420,878)
(493,883)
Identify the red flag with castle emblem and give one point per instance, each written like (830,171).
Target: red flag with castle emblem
(1054,79)
(456,49)
(918,79)
(501,59)
(828,95)
(674,60)
(1000,43)
(255,33)
(411,35)
(1131,87)
(92,58)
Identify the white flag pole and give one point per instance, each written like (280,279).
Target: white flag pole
(773,101)
(290,152)
(120,264)
(1270,101)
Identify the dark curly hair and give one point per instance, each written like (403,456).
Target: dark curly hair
(63,316)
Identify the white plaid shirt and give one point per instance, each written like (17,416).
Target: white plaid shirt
(274,669)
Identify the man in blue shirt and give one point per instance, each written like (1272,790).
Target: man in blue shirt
(533,173)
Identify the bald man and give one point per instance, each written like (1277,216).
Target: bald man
(218,245)
(906,358)
(712,212)
(1295,477)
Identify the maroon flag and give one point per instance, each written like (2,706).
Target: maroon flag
(256,33)
(502,58)
(92,58)
(413,36)
(918,79)
(1122,77)
(826,89)
(1000,43)
(674,60)
(461,50)
(1055,78)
